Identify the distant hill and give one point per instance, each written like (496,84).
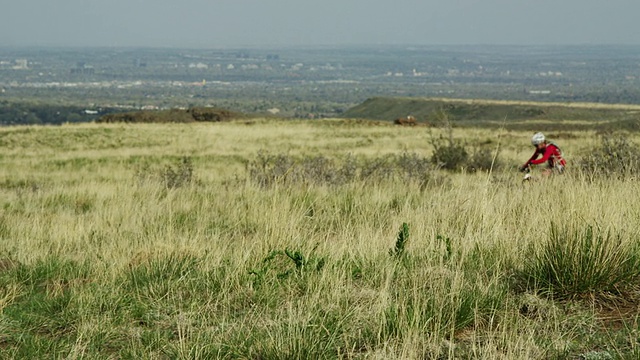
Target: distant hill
(470,112)
(199,114)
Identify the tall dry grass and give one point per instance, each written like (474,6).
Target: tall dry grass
(104,257)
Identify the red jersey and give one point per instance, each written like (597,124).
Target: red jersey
(550,154)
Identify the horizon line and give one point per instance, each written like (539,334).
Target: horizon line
(310,46)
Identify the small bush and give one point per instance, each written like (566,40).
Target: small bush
(377,169)
(483,159)
(414,167)
(267,170)
(177,175)
(171,176)
(317,169)
(616,156)
(448,154)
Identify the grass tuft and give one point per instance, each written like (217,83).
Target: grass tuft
(585,264)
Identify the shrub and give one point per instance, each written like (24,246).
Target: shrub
(171,175)
(414,167)
(448,154)
(483,159)
(179,174)
(268,170)
(616,156)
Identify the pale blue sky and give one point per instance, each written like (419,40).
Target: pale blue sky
(240,23)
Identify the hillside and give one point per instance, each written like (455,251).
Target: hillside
(491,112)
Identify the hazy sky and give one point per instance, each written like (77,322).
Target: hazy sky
(238,23)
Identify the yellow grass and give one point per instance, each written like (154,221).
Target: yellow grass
(75,192)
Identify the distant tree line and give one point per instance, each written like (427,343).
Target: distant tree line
(28,113)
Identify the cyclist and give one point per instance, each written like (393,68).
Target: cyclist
(550,152)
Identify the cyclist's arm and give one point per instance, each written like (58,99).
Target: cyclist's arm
(531,159)
(547,154)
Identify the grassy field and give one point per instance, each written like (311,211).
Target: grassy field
(316,239)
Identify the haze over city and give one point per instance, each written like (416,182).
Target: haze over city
(233,23)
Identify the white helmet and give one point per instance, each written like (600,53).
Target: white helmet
(537,138)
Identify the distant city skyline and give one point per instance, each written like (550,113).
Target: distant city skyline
(245,23)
